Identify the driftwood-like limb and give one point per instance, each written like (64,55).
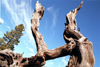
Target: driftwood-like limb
(70,35)
(12,58)
(41,46)
(76,45)
(71,23)
(82,55)
(76,10)
(37,60)
(42,51)
(43,54)
(60,51)
(70,17)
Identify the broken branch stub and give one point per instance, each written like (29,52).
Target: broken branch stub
(43,54)
(70,17)
(71,24)
(77,46)
(42,51)
(82,54)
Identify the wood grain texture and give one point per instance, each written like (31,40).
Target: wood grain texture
(77,46)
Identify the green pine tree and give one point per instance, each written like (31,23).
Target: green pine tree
(3,45)
(11,38)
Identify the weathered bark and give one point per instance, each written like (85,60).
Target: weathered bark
(82,54)
(42,50)
(70,25)
(76,45)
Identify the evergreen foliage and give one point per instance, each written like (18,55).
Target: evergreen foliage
(11,38)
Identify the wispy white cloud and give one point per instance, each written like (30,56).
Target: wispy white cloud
(65,61)
(1,32)
(30,49)
(59,65)
(1,20)
(54,19)
(31,54)
(50,8)
(46,25)
(53,34)
(8,27)
(21,13)
(50,63)
(54,13)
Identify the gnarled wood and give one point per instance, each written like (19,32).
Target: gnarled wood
(82,54)
(43,54)
(42,50)
(71,24)
(76,45)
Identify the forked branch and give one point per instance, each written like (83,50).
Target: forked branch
(76,45)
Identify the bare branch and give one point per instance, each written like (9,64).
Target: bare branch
(77,45)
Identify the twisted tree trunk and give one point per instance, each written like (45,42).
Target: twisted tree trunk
(82,54)
(76,45)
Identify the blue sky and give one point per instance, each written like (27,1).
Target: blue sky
(14,12)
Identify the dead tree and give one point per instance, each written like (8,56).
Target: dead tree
(77,46)
(82,54)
